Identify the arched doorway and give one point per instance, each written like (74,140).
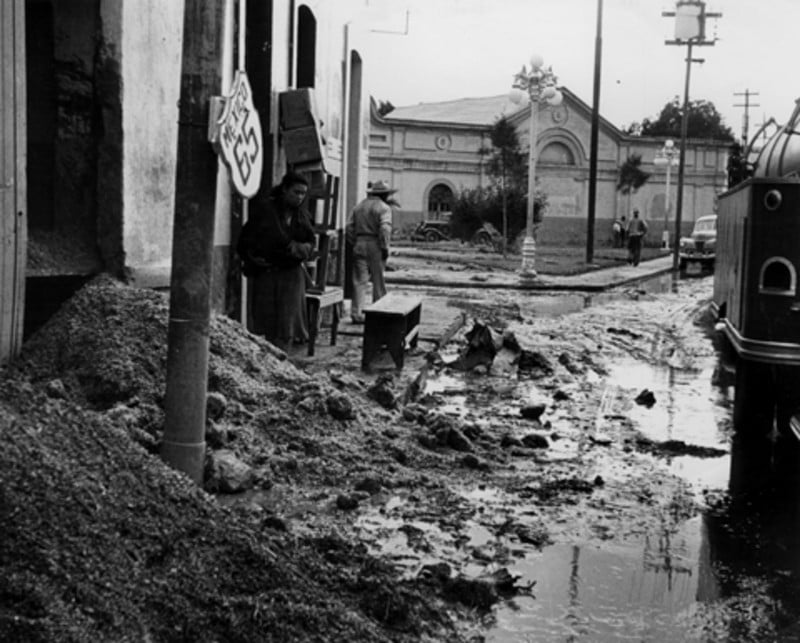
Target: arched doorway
(440,202)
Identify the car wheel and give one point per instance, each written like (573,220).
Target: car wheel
(430,235)
(483,238)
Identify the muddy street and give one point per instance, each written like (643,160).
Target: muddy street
(596,475)
(546,466)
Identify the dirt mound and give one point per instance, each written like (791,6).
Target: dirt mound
(102,541)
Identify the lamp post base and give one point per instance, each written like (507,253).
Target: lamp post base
(528,270)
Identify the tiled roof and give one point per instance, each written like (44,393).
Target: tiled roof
(466,111)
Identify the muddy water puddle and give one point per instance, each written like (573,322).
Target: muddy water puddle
(685,580)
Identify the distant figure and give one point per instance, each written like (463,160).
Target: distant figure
(369,231)
(635,233)
(617,231)
(624,235)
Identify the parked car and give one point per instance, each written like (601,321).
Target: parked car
(487,236)
(432,231)
(699,250)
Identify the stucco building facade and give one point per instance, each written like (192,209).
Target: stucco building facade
(430,152)
(89,97)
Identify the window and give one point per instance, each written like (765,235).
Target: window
(557,154)
(440,201)
(778,277)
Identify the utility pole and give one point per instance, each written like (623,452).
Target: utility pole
(183,445)
(747,105)
(598,51)
(690,30)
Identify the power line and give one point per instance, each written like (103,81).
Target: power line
(747,105)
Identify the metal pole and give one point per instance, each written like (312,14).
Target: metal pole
(598,50)
(529,244)
(682,159)
(183,445)
(666,199)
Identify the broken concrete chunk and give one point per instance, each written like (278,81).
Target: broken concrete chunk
(227,474)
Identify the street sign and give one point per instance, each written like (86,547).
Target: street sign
(238,138)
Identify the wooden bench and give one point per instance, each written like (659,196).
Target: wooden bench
(392,322)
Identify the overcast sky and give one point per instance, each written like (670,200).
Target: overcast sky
(470,48)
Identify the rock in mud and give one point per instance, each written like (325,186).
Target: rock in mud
(536,535)
(482,346)
(340,406)
(382,392)
(534,363)
(511,342)
(227,474)
(369,484)
(437,572)
(565,359)
(56,389)
(646,398)
(216,404)
(532,411)
(470,461)
(458,441)
(346,502)
(415,413)
(216,435)
(535,441)
(483,592)
(509,441)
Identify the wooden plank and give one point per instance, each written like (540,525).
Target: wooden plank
(394,304)
(12,175)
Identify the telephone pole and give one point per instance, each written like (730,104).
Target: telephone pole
(690,30)
(746,118)
(183,444)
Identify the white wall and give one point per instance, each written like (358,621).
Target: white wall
(151,69)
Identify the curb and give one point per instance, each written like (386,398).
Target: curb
(543,286)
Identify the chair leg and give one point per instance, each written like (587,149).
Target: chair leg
(334,323)
(313,324)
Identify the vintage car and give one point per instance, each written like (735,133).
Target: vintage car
(699,250)
(432,231)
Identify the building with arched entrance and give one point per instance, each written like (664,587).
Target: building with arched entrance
(431,152)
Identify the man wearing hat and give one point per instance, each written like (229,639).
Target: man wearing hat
(369,230)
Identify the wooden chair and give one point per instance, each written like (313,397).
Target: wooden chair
(321,294)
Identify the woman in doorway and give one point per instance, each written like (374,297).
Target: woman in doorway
(276,241)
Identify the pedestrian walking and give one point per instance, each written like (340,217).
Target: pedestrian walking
(273,246)
(369,231)
(637,228)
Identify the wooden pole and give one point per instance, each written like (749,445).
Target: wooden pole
(183,445)
(682,160)
(598,52)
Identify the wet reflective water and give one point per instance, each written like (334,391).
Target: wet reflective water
(731,573)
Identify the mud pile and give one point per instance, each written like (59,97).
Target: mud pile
(102,541)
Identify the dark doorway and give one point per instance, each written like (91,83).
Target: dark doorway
(306,47)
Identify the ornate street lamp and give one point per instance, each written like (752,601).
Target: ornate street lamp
(539,84)
(666,156)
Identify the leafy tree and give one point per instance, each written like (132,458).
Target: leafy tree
(631,176)
(704,122)
(506,167)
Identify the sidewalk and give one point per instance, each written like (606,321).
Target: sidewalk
(592,281)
